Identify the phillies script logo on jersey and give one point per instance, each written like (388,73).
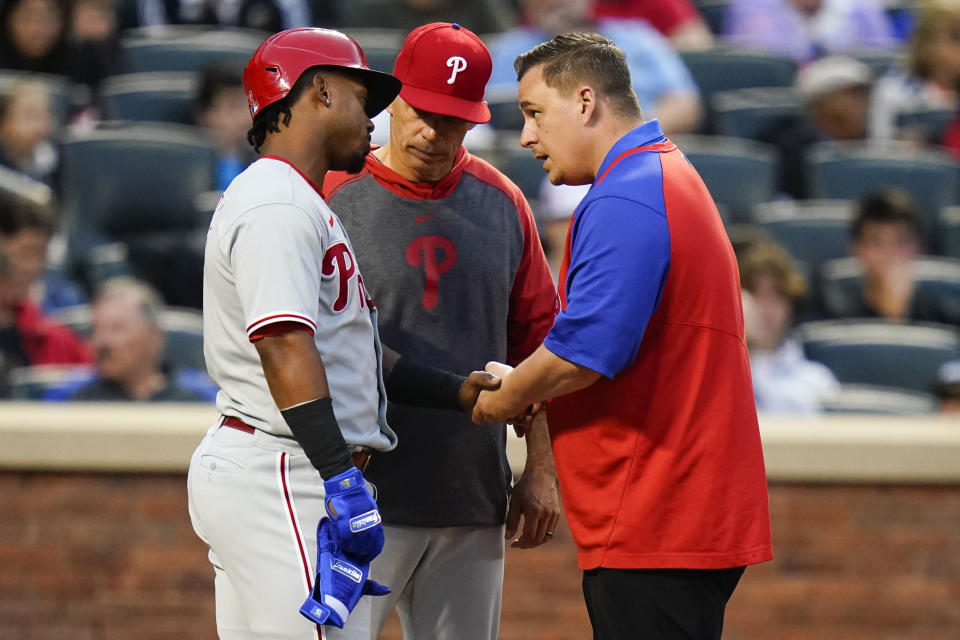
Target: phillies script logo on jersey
(437,255)
(339,261)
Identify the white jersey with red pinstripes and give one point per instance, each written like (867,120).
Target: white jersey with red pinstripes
(276,253)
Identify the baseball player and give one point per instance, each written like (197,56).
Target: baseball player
(450,249)
(290,336)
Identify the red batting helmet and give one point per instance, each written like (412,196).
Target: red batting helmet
(280,60)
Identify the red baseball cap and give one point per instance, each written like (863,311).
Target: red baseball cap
(444,69)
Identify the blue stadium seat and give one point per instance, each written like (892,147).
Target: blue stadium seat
(505,113)
(851,170)
(875,352)
(158,96)
(879,60)
(722,69)
(714,13)
(125,183)
(842,281)
(49,381)
(14,184)
(527,172)
(185,48)
(740,174)
(865,398)
(184,344)
(751,113)
(812,231)
(927,125)
(949,232)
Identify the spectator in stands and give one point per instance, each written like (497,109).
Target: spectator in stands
(481,16)
(886,239)
(27,337)
(806,29)
(34,36)
(678,20)
(127,343)
(26,128)
(264,15)
(11,349)
(663,84)
(26,229)
(784,380)
(221,108)
(948,387)
(836,97)
(931,75)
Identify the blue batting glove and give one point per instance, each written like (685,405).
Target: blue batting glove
(340,582)
(355,520)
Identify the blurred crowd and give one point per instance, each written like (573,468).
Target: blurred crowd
(122,120)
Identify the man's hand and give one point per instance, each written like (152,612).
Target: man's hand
(496,406)
(522,422)
(475,383)
(535,498)
(341,582)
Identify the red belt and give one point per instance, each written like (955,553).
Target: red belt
(361,457)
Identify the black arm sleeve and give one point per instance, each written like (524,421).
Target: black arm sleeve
(417,384)
(315,427)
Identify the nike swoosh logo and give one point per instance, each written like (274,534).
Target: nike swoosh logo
(424,218)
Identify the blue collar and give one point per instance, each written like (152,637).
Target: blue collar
(647,133)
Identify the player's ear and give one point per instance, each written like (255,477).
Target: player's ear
(320,86)
(587,103)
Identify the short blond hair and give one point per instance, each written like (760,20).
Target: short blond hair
(933,17)
(770,259)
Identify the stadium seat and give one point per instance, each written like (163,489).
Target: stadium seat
(527,172)
(865,398)
(739,173)
(812,231)
(751,113)
(184,345)
(14,184)
(505,114)
(875,352)
(714,13)
(158,96)
(722,69)
(122,183)
(185,48)
(927,125)
(879,60)
(42,382)
(949,233)
(842,281)
(851,170)
(64,93)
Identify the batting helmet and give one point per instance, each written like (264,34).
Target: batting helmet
(280,60)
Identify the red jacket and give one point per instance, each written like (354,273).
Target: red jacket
(46,342)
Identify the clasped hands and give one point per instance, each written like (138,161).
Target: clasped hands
(491,404)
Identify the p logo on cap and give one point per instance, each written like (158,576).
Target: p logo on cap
(444,69)
(458,64)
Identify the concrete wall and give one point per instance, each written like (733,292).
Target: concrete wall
(96,546)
